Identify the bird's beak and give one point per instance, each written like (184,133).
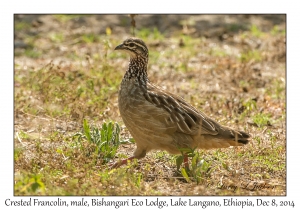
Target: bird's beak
(119,47)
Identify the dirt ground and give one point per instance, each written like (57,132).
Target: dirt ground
(218,63)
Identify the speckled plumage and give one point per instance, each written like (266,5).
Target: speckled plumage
(159,120)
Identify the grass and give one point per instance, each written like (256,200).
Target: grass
(21,25)
(68,128)
(199,171)
(153,34)
(275,31)
(262,119)
(66,18)
(235,27)
(89,38)
(32,53)
(255,31)
(57,37)
(251,55)
(105,140)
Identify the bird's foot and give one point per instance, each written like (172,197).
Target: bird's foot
(120,163)
(186,162)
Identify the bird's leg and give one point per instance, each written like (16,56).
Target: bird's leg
(121,162)
(186,161)
(138,154)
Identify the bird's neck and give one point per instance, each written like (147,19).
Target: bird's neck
(137,69)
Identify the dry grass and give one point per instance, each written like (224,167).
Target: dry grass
(232,68)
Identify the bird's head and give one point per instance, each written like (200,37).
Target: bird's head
(135,47)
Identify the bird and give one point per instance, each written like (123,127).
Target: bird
(160,120)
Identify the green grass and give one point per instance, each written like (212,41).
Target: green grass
(198,172)
(262,119)
(218,52)
(146,33)
(256,31)
(235,27)
(105,140)
(276,31)
(21,25)
(89,38)
(31,184)
(277,89)
(65,18)
(57,37)
(68,128)
(33,53)
(251,55)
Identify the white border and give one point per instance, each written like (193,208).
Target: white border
(153,6)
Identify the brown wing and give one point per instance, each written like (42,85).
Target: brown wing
(187,119)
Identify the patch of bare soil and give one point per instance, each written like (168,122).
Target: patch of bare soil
(236,61)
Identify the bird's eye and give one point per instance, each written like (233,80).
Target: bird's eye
(131,45)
